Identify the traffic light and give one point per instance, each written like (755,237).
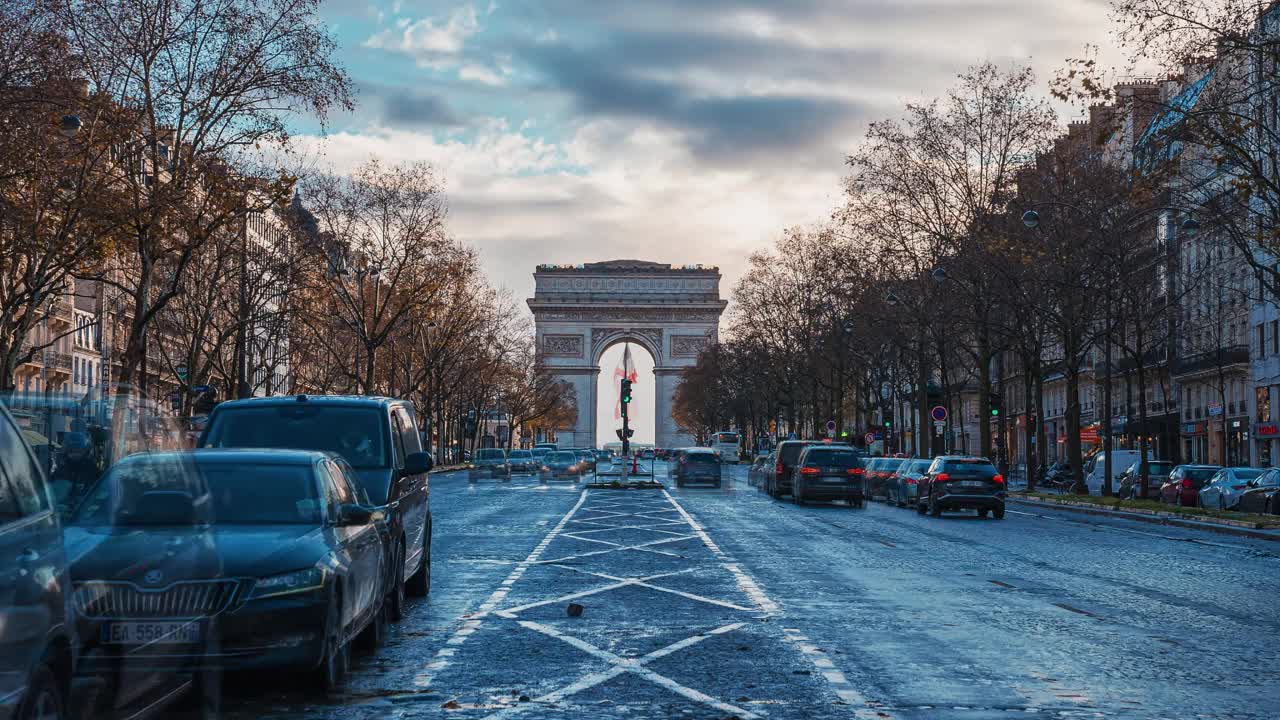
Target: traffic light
(996,401)
(626,391)
(888,418)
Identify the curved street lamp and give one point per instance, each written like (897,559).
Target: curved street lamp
(939,274)
(1031,219)
(70,125)
(891,299)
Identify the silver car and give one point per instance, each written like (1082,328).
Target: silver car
(1224,489)
(490,463)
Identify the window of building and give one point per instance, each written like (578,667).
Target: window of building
(1262,341)
(1262,398)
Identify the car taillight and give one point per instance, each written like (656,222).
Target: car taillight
(857,471)
(1186,483)
(942,477)
(910,481)
(998,479)
(779,469)
(808,471)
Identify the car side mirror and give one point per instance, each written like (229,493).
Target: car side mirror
(356,514)
(418,463)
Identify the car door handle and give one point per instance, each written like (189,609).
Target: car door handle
(28,556)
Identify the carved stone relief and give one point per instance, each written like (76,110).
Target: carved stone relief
(688,345)
(564,346)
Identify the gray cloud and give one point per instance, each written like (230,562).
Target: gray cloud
(407,107)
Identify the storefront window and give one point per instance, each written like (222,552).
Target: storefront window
(1263,400)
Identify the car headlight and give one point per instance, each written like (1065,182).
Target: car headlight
(290,583)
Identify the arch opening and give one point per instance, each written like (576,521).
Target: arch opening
(643,418)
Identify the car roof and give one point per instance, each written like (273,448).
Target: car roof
(347,400)
(257,456)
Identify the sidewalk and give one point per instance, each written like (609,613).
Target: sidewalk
(1241,528)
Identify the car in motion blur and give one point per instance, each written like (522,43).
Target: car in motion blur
(490,463)
(560,464)
(37,640)
(829,472)
(902,485)
(586,460)
(379,439)
(778,482)
(1224,489)
(523,462)
(961,482)
(697,465)
(188,564)
(879,470)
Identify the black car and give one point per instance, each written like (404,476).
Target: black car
(522,461)
(1262,494)
(377,436)
(956,482)
(37,637)
(829,472)
(696,465)
(187,564)
(778,481)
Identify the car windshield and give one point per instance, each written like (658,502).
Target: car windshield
(491,454)
(702,458)
(1247,473)
(356,433)
(1200,473)
(919,466)
(1155,468)
(789,453)
(178,491)
(520,455)
(562,456)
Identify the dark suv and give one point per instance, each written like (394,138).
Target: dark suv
(37,641)
(957,482)
(778,482)
(696,465)
(377,436)
(829,472)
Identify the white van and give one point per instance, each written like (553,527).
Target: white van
(1095,469)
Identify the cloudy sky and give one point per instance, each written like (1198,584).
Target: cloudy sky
(684,132)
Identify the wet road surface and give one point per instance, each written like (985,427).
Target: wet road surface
(703,603)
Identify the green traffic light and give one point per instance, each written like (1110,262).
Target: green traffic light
(995,412)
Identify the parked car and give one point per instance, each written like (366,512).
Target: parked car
(522,461)
(195,563)
(1224,489)
(697,465)
(38,646)
(901,487)
(955,482)
(1184,483)
(1129,482)
(379,439)
(756,472)
(1262,495)
(879,470)
(829,472)
(1095,468)
(560,464)
(490,463)
(778,481)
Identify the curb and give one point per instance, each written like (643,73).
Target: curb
(1225,527)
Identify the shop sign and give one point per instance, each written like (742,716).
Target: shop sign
(1192,428)
(1236,424)
(1089,434)
(1266,429)
(1215,409)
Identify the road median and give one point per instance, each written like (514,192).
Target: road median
(1260,527)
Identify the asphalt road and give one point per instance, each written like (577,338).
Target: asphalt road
(703,603)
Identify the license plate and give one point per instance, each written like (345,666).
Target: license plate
(973,484)
(139,633)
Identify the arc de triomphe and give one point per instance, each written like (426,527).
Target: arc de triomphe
(579,311)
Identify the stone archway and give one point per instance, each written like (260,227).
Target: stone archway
(578,311)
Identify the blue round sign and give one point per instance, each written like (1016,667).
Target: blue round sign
(939,413)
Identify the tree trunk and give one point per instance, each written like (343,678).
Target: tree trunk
(1074,455)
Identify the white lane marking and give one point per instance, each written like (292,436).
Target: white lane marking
(840,684)
(593,553)
(471,624)
(620,665)
(745,582)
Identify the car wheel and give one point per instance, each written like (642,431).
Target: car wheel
(336,660)
(998,513)
(982,512)
(395,598)
(420,583)
(920,509)
(43,701)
